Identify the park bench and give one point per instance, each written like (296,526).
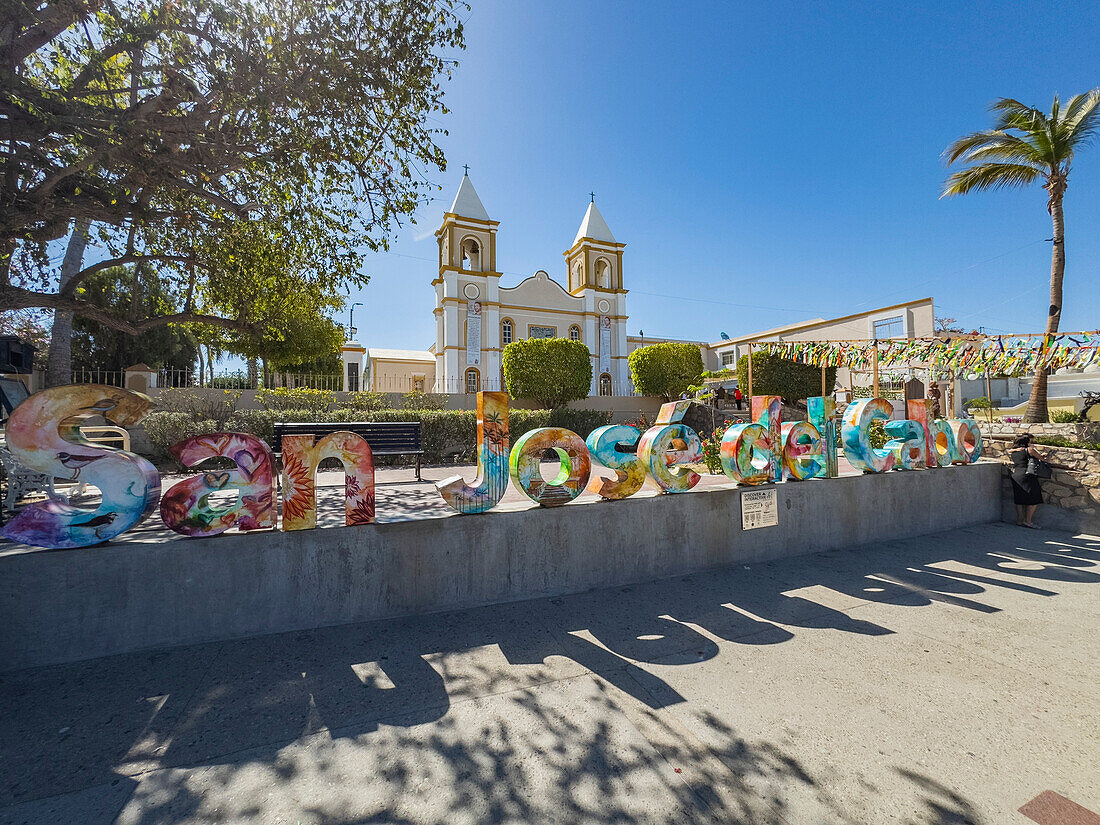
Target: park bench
(385,438)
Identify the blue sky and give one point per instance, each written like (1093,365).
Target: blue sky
(764,163)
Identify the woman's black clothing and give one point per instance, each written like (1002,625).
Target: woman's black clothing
(1025,487)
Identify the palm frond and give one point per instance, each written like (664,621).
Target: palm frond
(1010,148)
(990,176)
(1015,115)
(1082,118)
(969,143)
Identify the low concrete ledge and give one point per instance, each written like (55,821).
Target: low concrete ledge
(60,606)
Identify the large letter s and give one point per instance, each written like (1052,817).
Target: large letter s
(44,434)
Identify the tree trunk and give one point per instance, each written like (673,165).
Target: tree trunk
(60,366)
(1037,402)
(253,377)
(202,368)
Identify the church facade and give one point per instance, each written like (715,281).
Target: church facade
(476,317)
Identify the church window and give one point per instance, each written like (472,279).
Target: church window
(605,384)
(603,274)
(506,332)
(574,333)
(471,255)
(472,380)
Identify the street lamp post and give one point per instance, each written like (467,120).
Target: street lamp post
(351,319)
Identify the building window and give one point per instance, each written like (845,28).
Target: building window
(729,359)
(890,328)
(418,385)
(574,333)
(506,332)
(605,384)
(353,377)
(472,380)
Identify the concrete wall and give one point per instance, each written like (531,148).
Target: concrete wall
(76,604)
(1071,498)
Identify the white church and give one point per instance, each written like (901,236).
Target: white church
(476,317)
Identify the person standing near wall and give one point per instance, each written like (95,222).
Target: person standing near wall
(1027,493)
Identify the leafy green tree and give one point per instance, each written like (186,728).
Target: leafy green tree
(1026,145)
(774,375)
(665,370)
(159,123)
(99,346)
(551,371)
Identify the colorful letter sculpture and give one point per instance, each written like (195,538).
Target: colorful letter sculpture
(921,410)
(767,411)
(968,439)
(856,439)
(301,456)
(906,444)
(576,466)
(821,411)
(662,450)
(43,434)
(943,443)
(605,445)
(803,453)
(186,506)
(746,454)
(491,481)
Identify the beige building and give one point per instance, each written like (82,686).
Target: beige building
(399,370)
(913,319)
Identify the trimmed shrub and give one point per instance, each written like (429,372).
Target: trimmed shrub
(773,375)
(417,400)
(297,398)
(366,400)
(551,371)
(165,428)
(665,370)
(1064,417)
(207,405)
(582,422)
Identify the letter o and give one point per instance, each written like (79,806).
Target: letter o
(576,466)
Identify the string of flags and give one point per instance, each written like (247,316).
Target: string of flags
(988,355)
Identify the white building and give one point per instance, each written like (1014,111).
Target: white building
(476,317)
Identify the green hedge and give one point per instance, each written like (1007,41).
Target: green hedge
(445,434)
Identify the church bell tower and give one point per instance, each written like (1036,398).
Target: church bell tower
(467,349)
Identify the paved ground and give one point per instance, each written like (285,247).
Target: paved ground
(946,679)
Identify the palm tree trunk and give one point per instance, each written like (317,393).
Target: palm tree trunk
(59,368)
(1037,403)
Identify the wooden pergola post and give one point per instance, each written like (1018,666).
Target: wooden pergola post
(750,375)
(989,398)
(874,367)
(823,380)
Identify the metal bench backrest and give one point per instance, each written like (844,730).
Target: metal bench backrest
(383,437)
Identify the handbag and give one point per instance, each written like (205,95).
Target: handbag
(1038,468)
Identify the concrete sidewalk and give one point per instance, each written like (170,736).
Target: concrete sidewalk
(946,679)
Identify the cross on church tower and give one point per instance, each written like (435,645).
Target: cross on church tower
(593,196)
(466,168)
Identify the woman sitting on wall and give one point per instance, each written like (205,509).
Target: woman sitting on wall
(1026,492)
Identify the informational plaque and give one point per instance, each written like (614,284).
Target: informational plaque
(541,332)
(605,344)
(759,508)
(473,333)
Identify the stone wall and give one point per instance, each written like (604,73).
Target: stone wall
(1083,431)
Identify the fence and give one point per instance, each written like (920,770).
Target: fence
(225,380)
(468,385)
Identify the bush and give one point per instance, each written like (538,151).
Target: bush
(665,370)
(582,422)
(367,400)
(165,428)
(1055,441)
(1064,417)
(773,375)
(201,404)
(551,371)
(417,400)
(298,398)
(230,381)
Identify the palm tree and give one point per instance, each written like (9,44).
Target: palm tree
(1024,146)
